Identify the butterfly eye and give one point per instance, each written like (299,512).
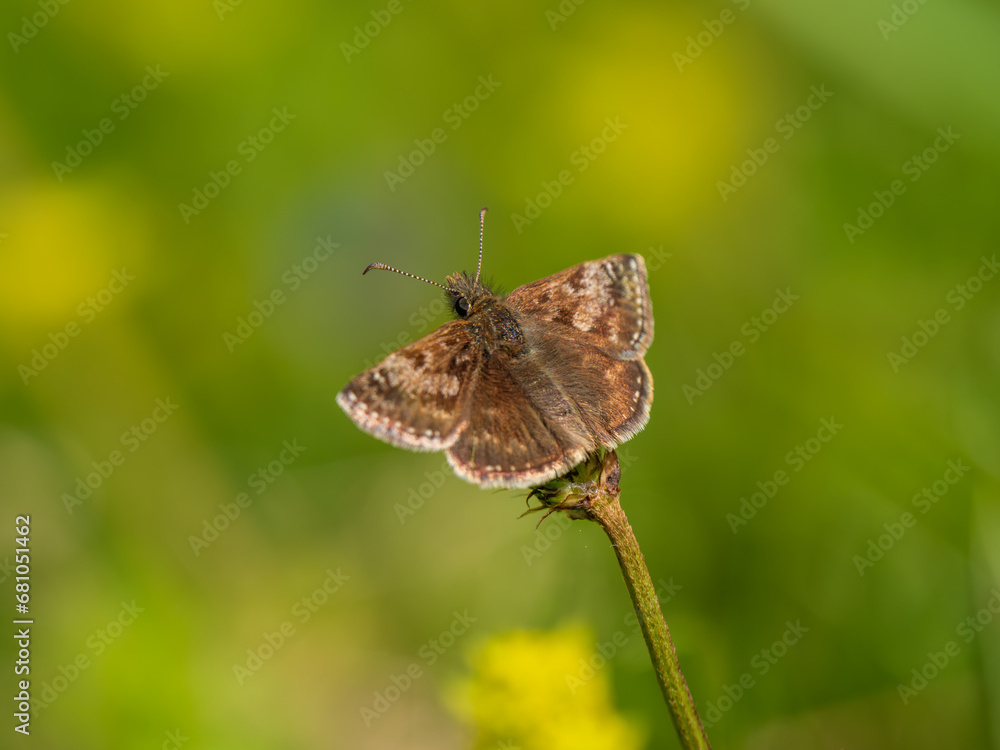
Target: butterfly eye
(462,307)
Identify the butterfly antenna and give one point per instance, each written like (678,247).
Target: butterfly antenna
(482,220)
(384,267)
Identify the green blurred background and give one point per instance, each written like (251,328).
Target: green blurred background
(185,90)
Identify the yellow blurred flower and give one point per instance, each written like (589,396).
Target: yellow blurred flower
(525,692)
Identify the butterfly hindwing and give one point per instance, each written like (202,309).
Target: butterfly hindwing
(513,440)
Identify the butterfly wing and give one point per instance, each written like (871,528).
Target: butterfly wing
(418,396)
(517,419)
(589,327)
(522,430)
(601,303)
(611,396)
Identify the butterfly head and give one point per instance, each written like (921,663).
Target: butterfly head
(466,295)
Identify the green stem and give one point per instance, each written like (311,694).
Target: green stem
(609,514)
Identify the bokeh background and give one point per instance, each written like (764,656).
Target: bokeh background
(167,168)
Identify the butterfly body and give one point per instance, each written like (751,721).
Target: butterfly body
(489,319)
(520,387)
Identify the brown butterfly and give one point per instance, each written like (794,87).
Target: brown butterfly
(521,387)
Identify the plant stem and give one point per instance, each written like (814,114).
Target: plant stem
(606,511)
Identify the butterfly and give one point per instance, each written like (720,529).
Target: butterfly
(519,388)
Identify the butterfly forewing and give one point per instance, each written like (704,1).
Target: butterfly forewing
(418,396)
(602,303)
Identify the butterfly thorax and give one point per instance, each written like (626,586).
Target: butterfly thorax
(487,315)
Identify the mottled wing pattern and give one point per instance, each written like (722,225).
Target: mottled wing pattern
(522,431)
(612,397)
(615,400)
(602,303)
(418,396)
